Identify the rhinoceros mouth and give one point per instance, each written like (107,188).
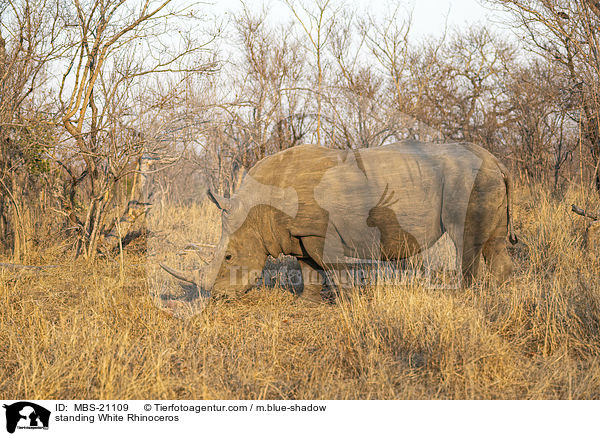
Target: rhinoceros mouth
(189,279)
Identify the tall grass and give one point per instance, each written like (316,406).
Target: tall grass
(77,331)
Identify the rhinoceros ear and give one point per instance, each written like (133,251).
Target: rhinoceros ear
(220,201)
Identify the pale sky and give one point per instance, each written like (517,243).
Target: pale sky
(429,16)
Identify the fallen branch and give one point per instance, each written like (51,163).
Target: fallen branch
(194,246)
(29,267)
(584,213)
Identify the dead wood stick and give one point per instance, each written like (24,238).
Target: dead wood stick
(584,213)
(30,267)
(196,246)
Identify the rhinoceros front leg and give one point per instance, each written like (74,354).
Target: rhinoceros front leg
(312,278)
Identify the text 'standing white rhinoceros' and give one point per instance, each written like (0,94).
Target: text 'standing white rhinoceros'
(322,206)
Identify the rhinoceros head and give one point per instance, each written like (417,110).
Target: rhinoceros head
(240,255)
(246,229)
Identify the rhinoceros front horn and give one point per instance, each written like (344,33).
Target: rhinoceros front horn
(184,277)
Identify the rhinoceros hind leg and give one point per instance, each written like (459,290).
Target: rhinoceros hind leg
(495,253)
(471,258)
(497,259)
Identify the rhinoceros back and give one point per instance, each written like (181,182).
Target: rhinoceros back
(387,202)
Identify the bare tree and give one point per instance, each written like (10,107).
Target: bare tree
(257,106)
(567,34)
(270,103)
(114,47)
(28,29)
(388,41)
(358,98)
(460,93)
(541,137)
(317,20)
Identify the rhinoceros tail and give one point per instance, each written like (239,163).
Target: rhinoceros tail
(509,187)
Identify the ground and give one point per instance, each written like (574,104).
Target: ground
(94,331)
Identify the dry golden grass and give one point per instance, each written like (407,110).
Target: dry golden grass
(88,331)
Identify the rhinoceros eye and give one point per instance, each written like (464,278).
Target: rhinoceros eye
(228,257)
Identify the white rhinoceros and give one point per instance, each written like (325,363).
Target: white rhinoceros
(323,205)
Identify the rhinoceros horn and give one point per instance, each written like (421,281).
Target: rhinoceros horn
(220,201)
(184,277)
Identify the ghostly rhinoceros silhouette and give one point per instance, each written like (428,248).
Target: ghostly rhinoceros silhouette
(324,206)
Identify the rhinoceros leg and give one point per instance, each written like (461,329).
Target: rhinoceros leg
(495,253)
(485,226)
(497,258)
(471,258)
(312,278)
(312,249)
(468,238)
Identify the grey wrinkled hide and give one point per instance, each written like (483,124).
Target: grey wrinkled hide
(392,202)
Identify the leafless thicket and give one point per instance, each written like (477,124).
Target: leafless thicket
(27,31)
(99,95)
(566,35)
(113,69)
